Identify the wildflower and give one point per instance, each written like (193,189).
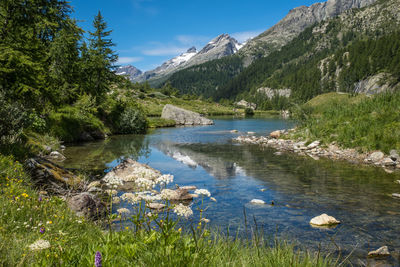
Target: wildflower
(49,222)
(131,198)
(182,210)
(25,195)
(203,192)
(168,194)
(180,230)
(116,200)
(79,221)
(126,228)
(112,192)
(165,179)
(97,259)
(144,183)
(123,211)
(205,220)
(39,245)
(42,230)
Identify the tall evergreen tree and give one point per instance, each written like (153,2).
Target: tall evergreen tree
(101,58)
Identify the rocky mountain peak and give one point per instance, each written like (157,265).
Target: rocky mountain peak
(192,50)
(130,71)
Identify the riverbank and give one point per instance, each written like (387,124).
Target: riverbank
(315,149)
(38,229)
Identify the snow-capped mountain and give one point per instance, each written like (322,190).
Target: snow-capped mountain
(129,71)
(221,46)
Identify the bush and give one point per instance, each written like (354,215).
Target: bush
(249,112)
(126,117)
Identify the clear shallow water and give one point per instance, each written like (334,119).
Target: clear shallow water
(234,174)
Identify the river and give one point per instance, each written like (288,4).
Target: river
(300,187)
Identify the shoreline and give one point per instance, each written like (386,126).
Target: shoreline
(316,150)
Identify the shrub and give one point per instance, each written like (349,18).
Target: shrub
(249,112)
(126,118)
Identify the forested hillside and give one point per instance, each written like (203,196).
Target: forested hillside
(332,55)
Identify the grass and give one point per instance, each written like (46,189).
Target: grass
(26,218)
(365,123)
(157,122)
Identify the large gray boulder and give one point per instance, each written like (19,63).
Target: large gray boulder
(87,205)
(184,117)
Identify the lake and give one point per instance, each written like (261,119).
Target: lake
(301,188)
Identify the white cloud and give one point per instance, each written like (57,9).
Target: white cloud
(245,36)
(126,60)
(167,50)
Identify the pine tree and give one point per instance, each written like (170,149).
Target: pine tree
(101,59)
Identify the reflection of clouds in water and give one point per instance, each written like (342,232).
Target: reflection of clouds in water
(239,170)
(184,159)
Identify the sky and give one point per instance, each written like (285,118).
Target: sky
(148,32)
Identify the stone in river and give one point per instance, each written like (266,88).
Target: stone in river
(155,206)
(380,252)
(324,220)
(257,201)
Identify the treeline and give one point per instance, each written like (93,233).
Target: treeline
(205,79)
(53,80)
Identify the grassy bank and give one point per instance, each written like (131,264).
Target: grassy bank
(68,240)
(366,123)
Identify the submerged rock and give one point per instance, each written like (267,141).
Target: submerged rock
(324,220)
(184,117)
(156,206)
(380,252)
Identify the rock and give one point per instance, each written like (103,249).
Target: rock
(62,147)
(188,187)
(324,220)
(313,145)
(55,155)
(398,181)
(275,134)
(257,201)
(388,162)
(251,133)
(213,199)
(380,252)
(87,205)
(94,184)
(85,137)
(376,156)
(396,195)
(394,155)
(234,131)
(128,171)
(244,104)
(50,176)
(184,117)
(155,206)
(47,148)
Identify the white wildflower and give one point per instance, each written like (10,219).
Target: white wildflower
(213,199)
(182,210)
(111,180)
(116,200)
(203,192)
(168,194)
(131,198)
(144,183)
(112,192)
(39,245)
(205,220)
(149,214)
(165,179)
(123,211)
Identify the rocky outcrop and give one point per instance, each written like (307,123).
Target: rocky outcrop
(295,22)
(244,104)
(380,252)
(184,117)
(87,205)
(376,84)
(324,220)
(129,71)
(271,93)
(50,176)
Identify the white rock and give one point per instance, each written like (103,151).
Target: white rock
(324,220)
(94,184)
(251,133)
(380,252)
(313,145)
(234,131)
(257,201)
(57,156)
(396,195)
(376,156)
(388,162)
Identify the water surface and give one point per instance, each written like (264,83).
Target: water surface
(300,187)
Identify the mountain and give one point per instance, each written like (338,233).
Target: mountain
(129,71)
(295,22)
(219,47)
(208,78)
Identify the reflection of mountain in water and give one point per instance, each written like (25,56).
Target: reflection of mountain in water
(199,155)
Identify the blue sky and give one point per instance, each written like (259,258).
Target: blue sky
(149,32)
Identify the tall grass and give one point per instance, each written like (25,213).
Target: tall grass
(368,123)
(26,218)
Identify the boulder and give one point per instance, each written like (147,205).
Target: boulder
(388,162)
(50,176)
(155,206)
(55,155)
(394,155)
(376,156)
(234,131)
(184,117)
(313,145)
(380,252)
(244,104)
(87,205)
(257,201)
(324,220)
(275,134)
(396,195)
